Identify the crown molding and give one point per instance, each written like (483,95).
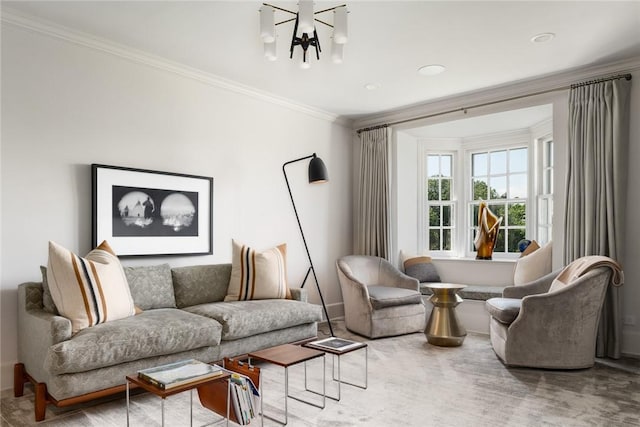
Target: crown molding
(67,34)
(494,94)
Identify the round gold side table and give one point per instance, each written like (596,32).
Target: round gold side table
(444,328)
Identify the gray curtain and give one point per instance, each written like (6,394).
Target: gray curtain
(371,213)
(597,186)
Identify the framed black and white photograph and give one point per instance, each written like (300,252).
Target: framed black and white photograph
(145,212)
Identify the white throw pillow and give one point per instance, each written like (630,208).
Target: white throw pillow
(258,275)
(88,290)
(533,266)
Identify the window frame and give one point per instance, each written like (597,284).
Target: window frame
(461,193)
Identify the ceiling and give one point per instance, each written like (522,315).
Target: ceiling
(481,44)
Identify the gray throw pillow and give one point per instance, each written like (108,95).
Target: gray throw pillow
(422,269)
(151,286)
(47,302)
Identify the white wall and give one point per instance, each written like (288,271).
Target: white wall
(65,106)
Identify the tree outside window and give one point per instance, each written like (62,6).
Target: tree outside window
(500,178)
(440,206)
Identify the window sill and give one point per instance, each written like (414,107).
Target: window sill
(473,260)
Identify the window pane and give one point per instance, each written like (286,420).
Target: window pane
(446,216)
(479,164)
(433,192)
(518,186)
(500,241)
(434,216)
(548,182)
(517,214)
(498,210)
(543,235)
(474,216)
(498,187)
(434,240)
(549,154)
(446,237)
(518,160)
(550,212)
(480,190)
(433,165)
(498,162)
(446,189)
(445,165)
(514,235)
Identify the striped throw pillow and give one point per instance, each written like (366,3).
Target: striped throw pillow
(88,290)
(258,275)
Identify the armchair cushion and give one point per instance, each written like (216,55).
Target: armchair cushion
(505,310)
(387,296)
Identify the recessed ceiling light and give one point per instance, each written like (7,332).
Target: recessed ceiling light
(431,70)
(543,37)
(371,86)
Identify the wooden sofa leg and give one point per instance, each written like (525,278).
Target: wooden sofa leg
(19,378)
(41,400)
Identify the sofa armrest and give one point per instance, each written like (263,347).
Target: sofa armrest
(37,329)
(538,286)
(299,294)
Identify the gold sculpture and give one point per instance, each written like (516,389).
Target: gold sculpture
(487,234)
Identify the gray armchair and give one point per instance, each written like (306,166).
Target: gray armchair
(537,325)
(379,300)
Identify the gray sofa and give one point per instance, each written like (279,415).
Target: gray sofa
(183,316)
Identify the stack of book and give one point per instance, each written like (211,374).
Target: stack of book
(243,395)
(172,375)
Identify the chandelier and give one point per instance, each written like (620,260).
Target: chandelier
(304,31)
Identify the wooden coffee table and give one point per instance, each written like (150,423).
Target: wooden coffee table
(287,355)
(163,394)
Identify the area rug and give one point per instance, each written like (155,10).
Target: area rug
(411,383)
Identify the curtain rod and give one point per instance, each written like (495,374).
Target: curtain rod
(485,104)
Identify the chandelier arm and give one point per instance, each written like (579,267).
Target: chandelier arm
(322,22)
(330,9)
(281,9)
(284,22)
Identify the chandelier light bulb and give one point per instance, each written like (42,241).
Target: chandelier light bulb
(270,51)
(305,16)
(267,24)
(340,29)
(337,52)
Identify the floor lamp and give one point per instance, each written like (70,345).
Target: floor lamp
(317,174)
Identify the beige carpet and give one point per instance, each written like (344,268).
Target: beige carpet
(411,383)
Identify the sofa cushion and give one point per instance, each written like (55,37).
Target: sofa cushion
(421,268)
(151,286)
(504,310)
(241,319)
(387,296)
(151,333)
(200,284)
(89,290)
(533,266)
(258,275)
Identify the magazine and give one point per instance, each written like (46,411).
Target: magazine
(334,343)
(179,373)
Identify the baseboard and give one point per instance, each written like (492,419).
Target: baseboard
(6,376)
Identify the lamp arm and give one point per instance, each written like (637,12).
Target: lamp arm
(304,240)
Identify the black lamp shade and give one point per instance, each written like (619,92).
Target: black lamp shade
(317,171)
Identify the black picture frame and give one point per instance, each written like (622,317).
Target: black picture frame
(142,212)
